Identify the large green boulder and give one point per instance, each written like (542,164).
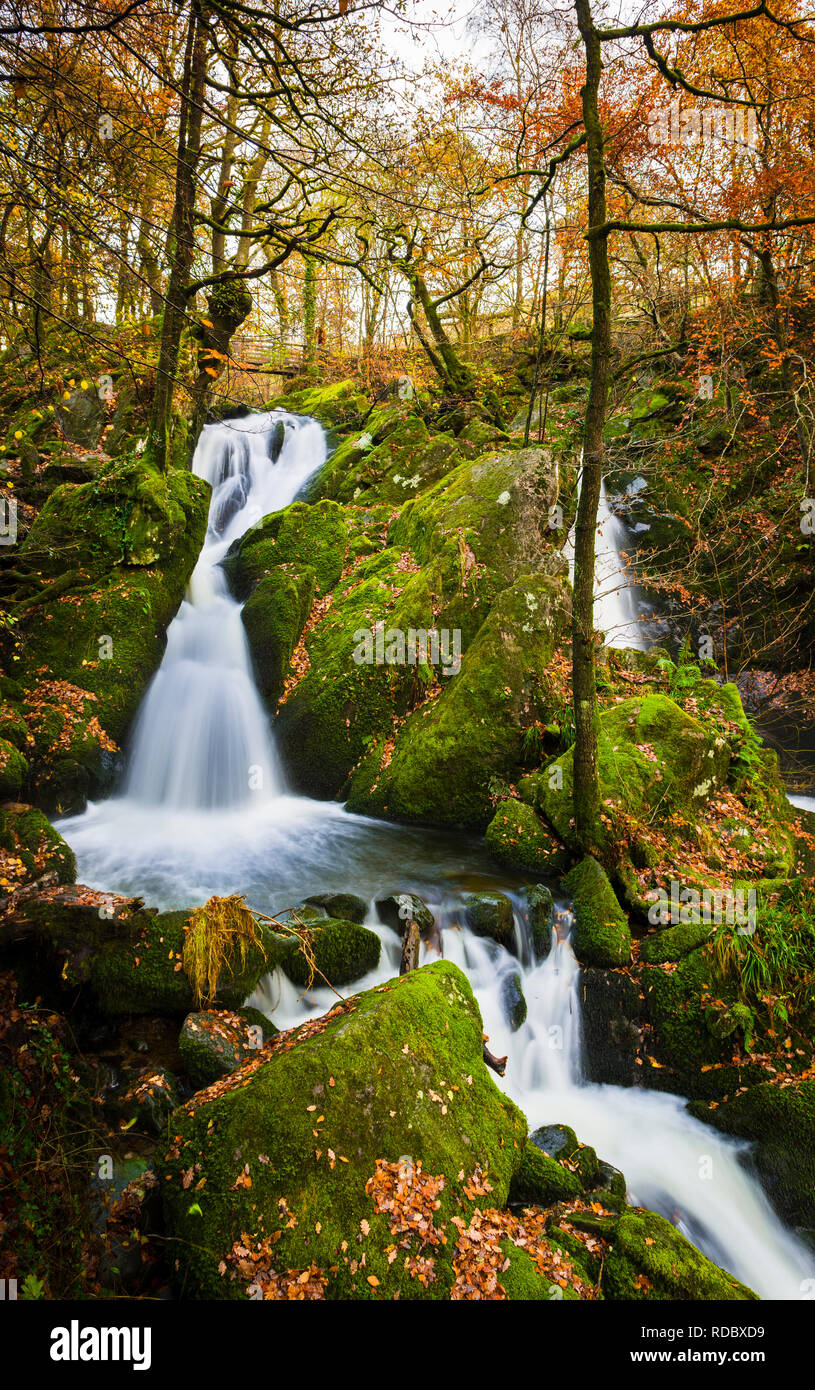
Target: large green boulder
(601,934)
(301,536)
(274,616)
(34,848)
(448,753)
(650,1259)
(652,756)
(540,1180)
(780,1120)
(518,838)
(342,1159)
(341,951)
(128,543)
(13,771)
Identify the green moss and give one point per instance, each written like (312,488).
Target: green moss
(675,942)
(302,536)
(517,838)
(213,1044)
(448,752)
(346,906)
(601,934)
(13,771)
(677,1002)
(274,617)
(540,1180)
(28,834)
(523,1281)
(490,914)
(343,952)
(134,537)
(395,1055)
(650,1259)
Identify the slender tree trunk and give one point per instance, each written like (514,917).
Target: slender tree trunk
(309,315)
(189,140)
(584,681)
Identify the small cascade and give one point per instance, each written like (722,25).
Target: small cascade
(674,1164)
(202,738)
(616,609)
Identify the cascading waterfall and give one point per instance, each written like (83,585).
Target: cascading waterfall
(616,609)
(202,738)
(205,811)
(673,1163)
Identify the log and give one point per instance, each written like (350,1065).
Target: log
(498,1064)
(411,942)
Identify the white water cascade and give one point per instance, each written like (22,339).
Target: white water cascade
(673,1163)
(615,602)
(202,738)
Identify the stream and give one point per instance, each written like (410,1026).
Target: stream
(204,809)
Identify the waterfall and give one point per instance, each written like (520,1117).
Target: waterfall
(202,737)
(615,601)
(804,803)
(674,1164)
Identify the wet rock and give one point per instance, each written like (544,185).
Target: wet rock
(490,914)
(344,905)
(611,1012)
(215,1042)
(512,997)
(650,1259)
(540,909)
(518,838)
(400,908)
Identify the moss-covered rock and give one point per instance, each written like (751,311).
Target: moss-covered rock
(540,1180)
(394,1083)
(780,1120)
(302,536)
(342,952)
(128,542)
(517,837)
(601,934)
(274,617)
(31,847)
(679,1007)
(650,1259)
(343,905)
(215,1042)
(540,908)
(651,753)
(490,914)
(448,752)
(612,1013)
(70,755)
(13,771)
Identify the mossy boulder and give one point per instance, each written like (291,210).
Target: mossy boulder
(338,402)
(70,755)
(274,617)
(302,536)
(540,908)
(490,914)
(541,1180)
(215,1042)
(679,1002)
(517,838)
(342,952)
(650,1259)
(651,754)
(394,1084)
(601,935)
(448,752)
(780,1120)
(127,543)
(343,905)
(13,771)
(120,958)
(33,848)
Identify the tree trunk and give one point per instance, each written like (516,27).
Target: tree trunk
(584,680)
(189,140)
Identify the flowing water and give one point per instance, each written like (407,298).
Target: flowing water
(205,810)
(617,609)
